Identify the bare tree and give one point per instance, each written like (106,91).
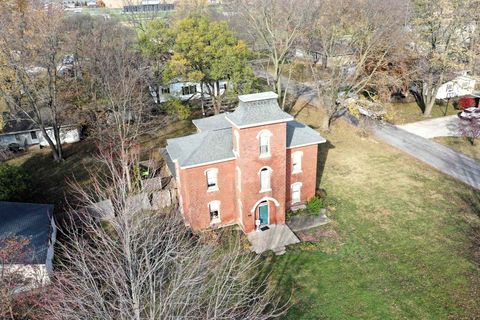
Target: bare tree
(275,26)
(31,48)
(470,129)
(439,31)
(143,263)
(361,44)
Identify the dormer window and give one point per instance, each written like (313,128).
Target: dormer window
(212,183)
(264,143)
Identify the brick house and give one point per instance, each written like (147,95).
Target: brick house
(246,167)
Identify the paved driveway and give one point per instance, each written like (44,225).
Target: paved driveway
(438,127)
(436,155)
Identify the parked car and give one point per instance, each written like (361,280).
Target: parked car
(470,114)
(15,147)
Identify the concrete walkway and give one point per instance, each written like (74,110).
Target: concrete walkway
(276,238)
(444,159)
(438,127)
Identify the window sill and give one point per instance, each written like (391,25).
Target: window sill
(212,189)
(265,156)
(297,172)
(265,190)
(215,221)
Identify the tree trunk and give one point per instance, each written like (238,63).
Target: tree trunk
(326,123)
(56,155)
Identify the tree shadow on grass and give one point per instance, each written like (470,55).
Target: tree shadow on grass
(322,155)
(49,180)
(472,203)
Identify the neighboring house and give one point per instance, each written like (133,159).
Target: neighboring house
(26,133)
(460,86)
(186,90)
(157,7)
(246,167)
(35,222)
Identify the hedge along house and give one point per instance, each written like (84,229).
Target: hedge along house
(246,167)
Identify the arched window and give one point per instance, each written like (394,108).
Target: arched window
(296,189)
(211,175)
(214,209)
(264,143)
(297,162)
(265,174)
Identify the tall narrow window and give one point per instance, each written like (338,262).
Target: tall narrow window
(265,180)
(297,162)
(296,187)
(264,142)
(211,175)
(214,208)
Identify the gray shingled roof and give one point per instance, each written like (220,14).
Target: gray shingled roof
(203,147)
(169,161)
(300,134)
(257,108)
(216,122)
(31,221)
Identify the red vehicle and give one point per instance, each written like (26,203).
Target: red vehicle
(466,102)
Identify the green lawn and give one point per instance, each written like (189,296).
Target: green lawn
(405,247)
(462,145)
(402,113)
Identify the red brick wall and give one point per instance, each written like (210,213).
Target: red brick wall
(308,176)
(250,164)
(195,198)
(193,186)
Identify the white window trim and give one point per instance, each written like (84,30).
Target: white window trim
(215,172)
(217,203)
(259,173)
(299,184)
(239,178)
(298,154)
(236,150)
(268,134)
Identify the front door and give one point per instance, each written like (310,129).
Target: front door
(263,213)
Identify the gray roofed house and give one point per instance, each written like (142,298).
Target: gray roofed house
(257,108)
(29,220)
(299,134)
(202,147)
(216,122)
(245,167)
(34,222)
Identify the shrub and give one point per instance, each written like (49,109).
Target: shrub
(176,107)
(314,205)
(14,182)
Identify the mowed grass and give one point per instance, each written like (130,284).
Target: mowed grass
(402,113)
(405,246)
(462,145)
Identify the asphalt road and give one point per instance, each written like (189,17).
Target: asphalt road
(444,159)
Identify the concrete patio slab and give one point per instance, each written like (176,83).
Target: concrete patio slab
(299,223)
(276,238)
